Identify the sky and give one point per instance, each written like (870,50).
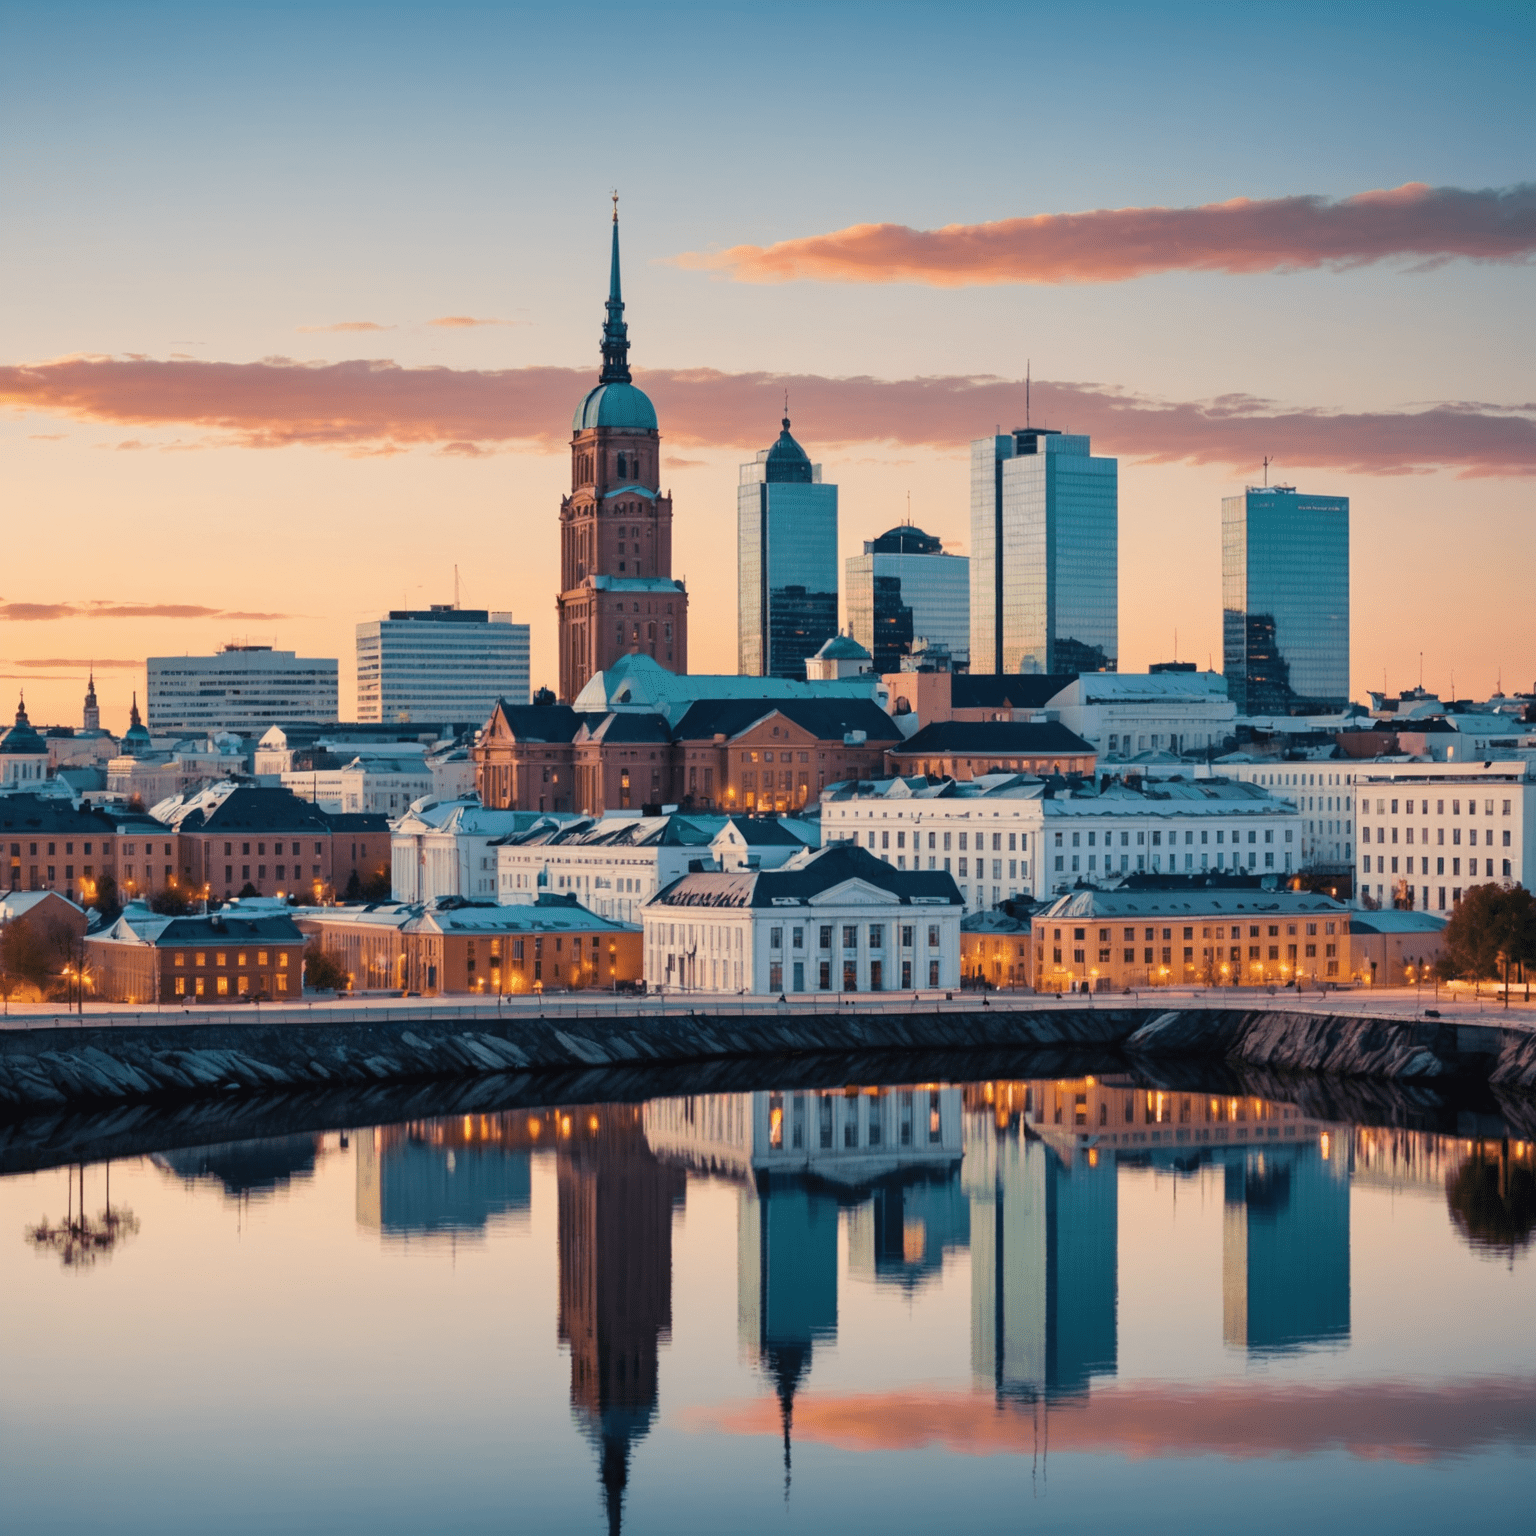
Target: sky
(242,244)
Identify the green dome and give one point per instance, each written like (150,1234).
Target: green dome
(615,405)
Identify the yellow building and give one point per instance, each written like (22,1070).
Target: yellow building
(1107,941)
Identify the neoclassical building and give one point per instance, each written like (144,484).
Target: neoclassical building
(617,593)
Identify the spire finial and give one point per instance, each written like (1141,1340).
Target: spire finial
(615,344)
(615,196)
(786,410)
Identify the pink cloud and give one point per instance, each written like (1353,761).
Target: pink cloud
(1386,1420)
(379,406)
(1110,245)
(344,326)
(464,322)
(97,608)
(104,664)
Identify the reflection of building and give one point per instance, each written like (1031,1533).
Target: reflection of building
(615,1235)
(1044,1228)
(246,1168)
(452,1175)
(1285,601)
(786,561)
(1044,554)
(901,1236)
(903,588)
(1285,1249)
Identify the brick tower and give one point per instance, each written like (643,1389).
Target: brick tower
(617,594)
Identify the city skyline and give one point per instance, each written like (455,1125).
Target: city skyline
(240,347)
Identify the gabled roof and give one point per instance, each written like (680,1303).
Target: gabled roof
(994,738)
(824,719)
(47,814)
(14,904)
(1395,922)
(761,832)
(138,925)
(536,722)
(625,726)
(234,807)
(999,690)
(1094,904)
(805,877)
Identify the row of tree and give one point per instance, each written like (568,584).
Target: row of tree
(1491,936)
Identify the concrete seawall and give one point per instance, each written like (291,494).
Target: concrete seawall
(94,1065)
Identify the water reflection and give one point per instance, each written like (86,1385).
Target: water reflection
(246,1169)
(450,1176)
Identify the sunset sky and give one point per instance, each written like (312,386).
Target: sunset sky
(298,300)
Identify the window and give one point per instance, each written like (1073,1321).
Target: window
(850,936)
(776,938)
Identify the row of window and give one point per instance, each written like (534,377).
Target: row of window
(908,1128)
(1423,807)
(851,936)
(877,977)
(1381,866)
(221,985)
(1381,836)
(1254,931)
(221,958)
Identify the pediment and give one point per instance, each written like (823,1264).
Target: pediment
(855,890)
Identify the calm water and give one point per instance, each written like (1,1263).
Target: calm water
(1070,1305)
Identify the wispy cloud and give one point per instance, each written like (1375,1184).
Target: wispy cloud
(100,663)
(343,326)
(379,406)
(1423,224)
(465,322)
(22,613)
(1379,1420)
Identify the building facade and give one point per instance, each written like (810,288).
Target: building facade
(242,688)
(1044,554)
(23,754)
(905,588)
(1285,601)
(224,958)
(1431,831)
(617,594)
(838,920)
(963,749)
(786,561)
(438,663)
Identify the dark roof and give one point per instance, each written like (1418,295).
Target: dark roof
(993,738)
(764,832)
(830,867)
(627,726)
(825,719)
(46,815)
(905,539)
(276,928)
(787,460)
(542,722)
(357,821)
(258,808)
(999,690)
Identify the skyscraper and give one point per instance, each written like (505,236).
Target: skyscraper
(1285,601)
(438,663)
(617,596)
(904,587)
(786,561)
(1044,554)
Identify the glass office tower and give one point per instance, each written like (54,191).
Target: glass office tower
(1285,601)
(1045,534)
(786,561)
(904,587)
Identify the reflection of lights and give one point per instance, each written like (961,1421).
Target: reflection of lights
(1093,1157)
(565,1125)
(1324,1144)
(592,1122)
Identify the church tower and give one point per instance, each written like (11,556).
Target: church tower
(617,594)
(92,712)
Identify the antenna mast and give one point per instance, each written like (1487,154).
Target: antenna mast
(1267,462)
(455,586)
(1027,366)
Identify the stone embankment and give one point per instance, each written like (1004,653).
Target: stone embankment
(49,1069)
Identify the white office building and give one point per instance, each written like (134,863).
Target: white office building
(1126,714)
(1004,836)
(446,848)
(441,663)
(386,785)
(1323,792)
(243,688)
(834,920)
(1431,831)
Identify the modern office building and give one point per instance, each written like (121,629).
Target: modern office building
(1285,601)
(786,561)
(442,663)
(904,588)
(1044,554)
(242,688)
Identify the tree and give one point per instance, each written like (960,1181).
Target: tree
(378,886)
(354,890)
(323,972)
(173,901)
(248,890)
(31,956)
(108,903)
(1491,932)
(1493,1200)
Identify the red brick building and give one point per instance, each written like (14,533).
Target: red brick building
(617,594)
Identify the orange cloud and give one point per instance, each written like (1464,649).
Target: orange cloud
(1391,1420)
(101,664)
(98,609)
(464,322)
(343,326)
(1111,245)
(371,406)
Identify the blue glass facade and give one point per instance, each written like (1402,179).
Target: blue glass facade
(895,596)
(1044,554)
(1285,601)
(786,542)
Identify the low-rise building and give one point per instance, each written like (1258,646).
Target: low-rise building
(1431,831)
(837,920)
(1322,790)
(225,957)
(48,843)
(615,864)
(385,786)
(57,928)
(964,749)
(1107,941)
(448,848)
(1395,949)
(994,948)
(23,753)
(1005,836)
(1124,714)
(472,948)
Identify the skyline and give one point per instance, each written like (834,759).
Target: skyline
(242,287)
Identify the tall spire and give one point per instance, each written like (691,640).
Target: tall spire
(615,331)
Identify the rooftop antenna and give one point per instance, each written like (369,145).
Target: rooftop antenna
(1175,645)
(455,586)
(1267,462)
(1027,367)
(1421,671)
(909,509)
(615,196)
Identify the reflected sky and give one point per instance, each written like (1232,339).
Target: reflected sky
(904,1305)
